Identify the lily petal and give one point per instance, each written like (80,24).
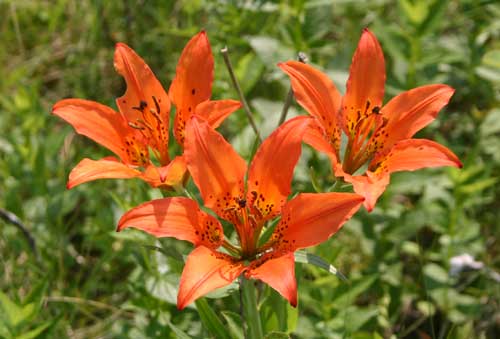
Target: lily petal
(413,154)
(97,122)
(316,138)
(279,273)
(412,110)
(215,112)
(205,271)
(216,168)
(271,171)
(107,168)
(193,81)
(171,175)
(145,102)
(318,95)
(370,186)
(365,86)
(177,217)
(311,218)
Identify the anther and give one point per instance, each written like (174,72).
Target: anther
(156,104)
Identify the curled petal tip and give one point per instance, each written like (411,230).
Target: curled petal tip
(121,46)
(180,306)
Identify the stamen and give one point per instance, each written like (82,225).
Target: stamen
(131,124)
(156,104)
(142,104)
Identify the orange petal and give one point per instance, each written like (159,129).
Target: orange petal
(216,168)
(271,171)
(316,138)
(413,154)
(370,186)
(107,168)
(97,122)
(365,86)
(412,110)
(215,112)
(171,175)
(193,81)
(145,102)
(205,271)
(318,95)
(311,218)
(279,273)
(178,217)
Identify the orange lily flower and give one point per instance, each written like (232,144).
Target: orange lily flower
(219,173)
(141,128)
(377,136)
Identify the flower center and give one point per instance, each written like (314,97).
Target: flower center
(365,138)
(153,128)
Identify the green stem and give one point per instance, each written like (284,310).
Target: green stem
(252,316)
(225,55)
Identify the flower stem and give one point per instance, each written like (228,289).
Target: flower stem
(302,57)
(236,85)
(252,316)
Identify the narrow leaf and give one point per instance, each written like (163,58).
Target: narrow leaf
(234,322)
(212,323)
(178,332)
(309,258)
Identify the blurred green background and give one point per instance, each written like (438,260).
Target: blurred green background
(77,278)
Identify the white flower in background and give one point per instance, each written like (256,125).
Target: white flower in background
(464,262)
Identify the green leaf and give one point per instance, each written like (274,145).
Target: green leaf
(292,317)
(270,50)
(434,15)
(490,66)
(277,335)
(234,322)
(34,332)
(358,317)
(13,314)
(224,291)
(314,181)
(416,11)
(178,332)
(426,308)
(210,319)
(167,251)
(491,123)
(309,258)
(348,292)
(268,231)
(277,314)
(249,70)
(478,186)
(164,288)
(435,276)
(10,310)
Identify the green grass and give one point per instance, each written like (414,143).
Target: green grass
(84,280)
